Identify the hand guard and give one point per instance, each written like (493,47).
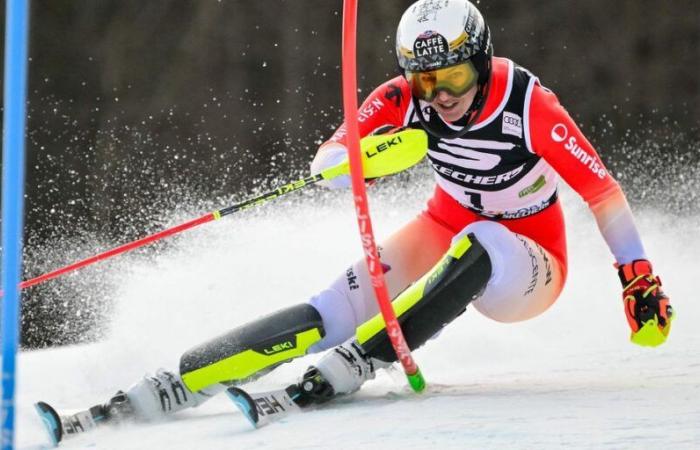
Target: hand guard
(384,129)
(648,310)
(335,153)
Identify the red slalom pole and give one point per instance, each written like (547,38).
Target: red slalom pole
(116,251)
(209,217)
(349,68)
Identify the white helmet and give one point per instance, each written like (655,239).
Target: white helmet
(435,34)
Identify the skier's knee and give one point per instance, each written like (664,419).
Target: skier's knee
(494,237)
(525,279)
(432,302)
(497,240)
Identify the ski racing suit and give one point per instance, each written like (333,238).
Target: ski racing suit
(498,181)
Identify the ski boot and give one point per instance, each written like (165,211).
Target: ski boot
(341,371)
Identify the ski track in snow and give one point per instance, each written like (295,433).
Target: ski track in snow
(568,378)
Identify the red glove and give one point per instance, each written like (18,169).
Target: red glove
(648,310)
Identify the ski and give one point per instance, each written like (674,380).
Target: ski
(59,427)
(259,408)
(51,420)
(263,407)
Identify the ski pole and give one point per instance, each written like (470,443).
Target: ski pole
(382,155)
(393,328)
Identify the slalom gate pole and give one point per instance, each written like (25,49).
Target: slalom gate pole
(393,328)
(14,119)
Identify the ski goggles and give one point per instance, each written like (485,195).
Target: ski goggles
(455,80)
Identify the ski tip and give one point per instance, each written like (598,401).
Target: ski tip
(245,403)
(52,422)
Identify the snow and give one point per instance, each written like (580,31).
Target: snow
(569,378)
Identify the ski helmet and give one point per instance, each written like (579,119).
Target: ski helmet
(434,35)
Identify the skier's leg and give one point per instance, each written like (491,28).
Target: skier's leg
(522,281)
(526,278)
(329,319)
(406,255)
(423,309)
(241,354)
(254,349)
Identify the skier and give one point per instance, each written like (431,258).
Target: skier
(492,234)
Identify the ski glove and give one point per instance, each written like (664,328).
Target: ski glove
(648,310)
(331,154)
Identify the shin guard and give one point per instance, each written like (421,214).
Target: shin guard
(432,302)
(253,349)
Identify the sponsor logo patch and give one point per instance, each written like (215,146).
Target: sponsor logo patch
(490,180)
(560,134)
(512,124)
(388,142)
(352,279)
(519,213)
(282,346)
(534,264)
(370,109)
(430,43)
(534,187)
(267,405)
(547,265)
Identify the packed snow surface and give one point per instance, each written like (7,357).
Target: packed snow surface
(567,379)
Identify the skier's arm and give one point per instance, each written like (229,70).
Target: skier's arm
(555,136)
(386,105)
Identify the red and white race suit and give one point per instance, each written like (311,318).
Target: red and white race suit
(502,175)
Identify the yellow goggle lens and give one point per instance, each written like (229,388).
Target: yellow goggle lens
(455,80)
